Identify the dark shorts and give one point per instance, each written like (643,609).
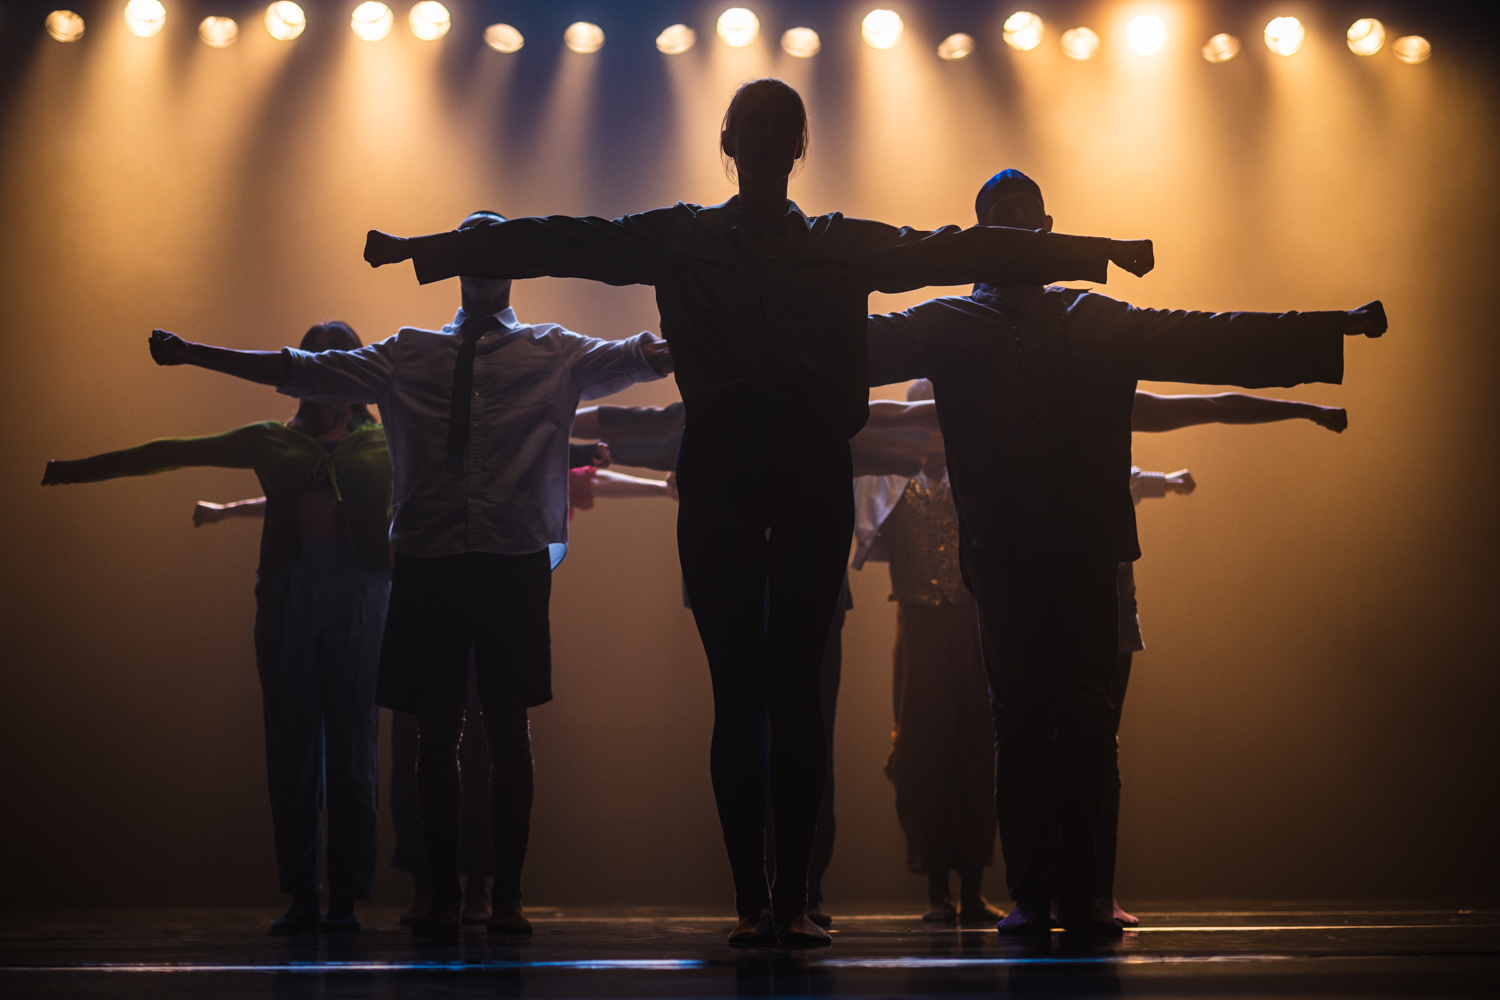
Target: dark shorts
(442,607)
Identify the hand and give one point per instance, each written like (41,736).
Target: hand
(1368,320)
(383,248)
(602,457)
(672,486)
(207,513)
(168,348)
(1181,481)
(54,475)
(658,355)
(1135,256)
(1335,418)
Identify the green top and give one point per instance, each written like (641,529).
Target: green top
(284,460)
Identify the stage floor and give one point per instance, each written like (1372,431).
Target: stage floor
(1247,952)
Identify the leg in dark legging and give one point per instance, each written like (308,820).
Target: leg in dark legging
(511,790)
(828,693)
(438,786)
(1109,806)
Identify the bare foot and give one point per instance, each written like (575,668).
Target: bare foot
(477,901)
(757,933)
(800,932)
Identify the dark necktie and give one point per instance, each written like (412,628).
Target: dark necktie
(463,389)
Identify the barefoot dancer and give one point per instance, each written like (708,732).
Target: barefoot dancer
(478,416)
(320,595)
(765,310)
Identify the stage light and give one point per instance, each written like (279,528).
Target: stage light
(1023,30)
(1146,35)
(219,32)
(65,26)
(955,46)
(429,20)
(372,21)
(1412,49)
(145,17)
(584,38)
(882,29)
(676,40)
(503,38)
(1365,36)
(738,27)
(1285,35)
(1080,43)
(803,43)
(1221,48)
(285,20)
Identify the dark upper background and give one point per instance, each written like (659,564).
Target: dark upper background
(1314,716)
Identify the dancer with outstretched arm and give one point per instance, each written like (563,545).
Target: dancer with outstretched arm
(1034,390)
(764,308)
(477,415)
(320,596)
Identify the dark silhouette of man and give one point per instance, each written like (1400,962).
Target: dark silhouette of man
(1035,386)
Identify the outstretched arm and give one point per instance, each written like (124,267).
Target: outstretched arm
(236,449)
(998,256)
(617,486)
(890,415)
(1154,413)
(618,252)
(213,513)
(1154,485)
(265,367)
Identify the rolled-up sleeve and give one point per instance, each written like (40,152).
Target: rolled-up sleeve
(901,260)
(360,376)
(604,367)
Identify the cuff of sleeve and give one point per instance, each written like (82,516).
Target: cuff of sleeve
(296,365)
(1094,260)
(1150,485)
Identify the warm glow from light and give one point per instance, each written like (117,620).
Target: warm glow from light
(503,38)
(145,17)
(1146,35)
(676,40)
(429,20)
(1284,35)
(1221,48)
(1023,30)
(220,32)
(1412,49)
(955,46)
(285,20)
(1080,43)
(882,29)
(65,26)
(584,38)
(1366,36)
(372,21)
(738,27)
(803,43)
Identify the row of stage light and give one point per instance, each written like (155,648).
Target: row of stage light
(738,27)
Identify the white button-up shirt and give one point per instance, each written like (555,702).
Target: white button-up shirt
(528,380)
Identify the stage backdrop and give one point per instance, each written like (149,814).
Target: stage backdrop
(1313,718)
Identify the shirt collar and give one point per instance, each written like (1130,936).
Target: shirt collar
(727,214)
(506,316)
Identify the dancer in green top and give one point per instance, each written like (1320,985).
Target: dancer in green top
(321,590)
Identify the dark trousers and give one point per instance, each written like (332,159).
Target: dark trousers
(1109,806)
(763,532)
(1049,631)
(476,853)
(443,609)
(317,642)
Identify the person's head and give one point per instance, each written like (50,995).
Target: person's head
(484,296)
(330,335)
(765,130)
(1010,198)
(919,390)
